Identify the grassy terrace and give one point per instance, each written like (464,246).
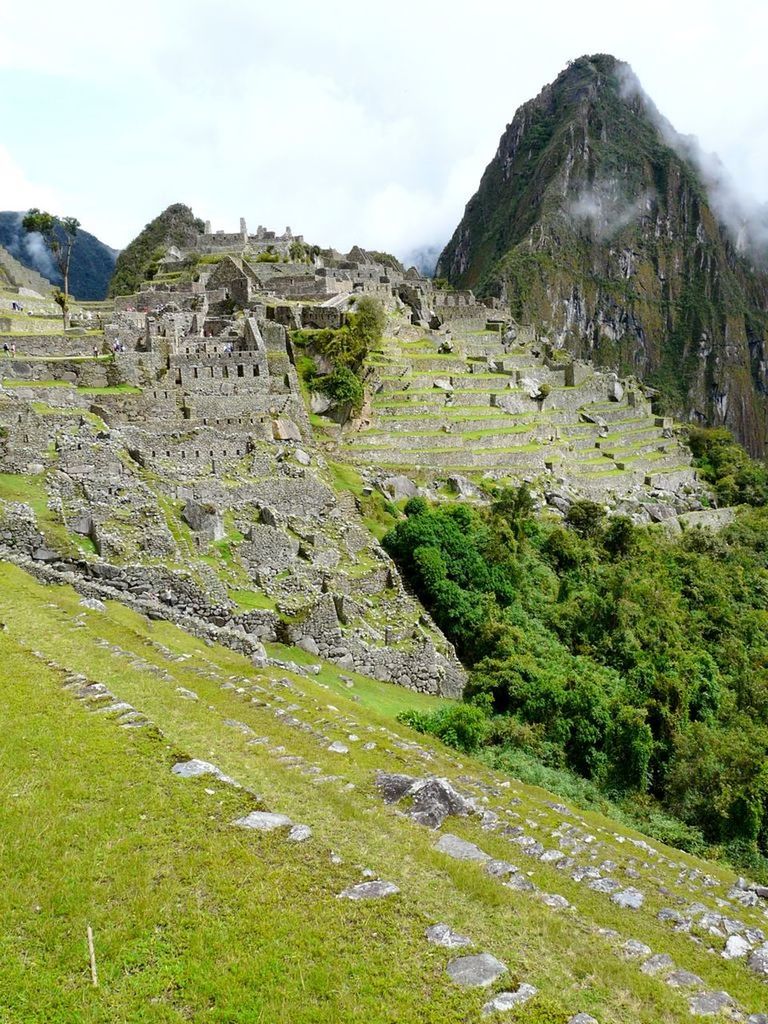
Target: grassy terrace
(31,491)
(197,921)
(466,435)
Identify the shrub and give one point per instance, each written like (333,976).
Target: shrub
(585,517)
(415,507)
(462,726)
(368,320)
(344,387)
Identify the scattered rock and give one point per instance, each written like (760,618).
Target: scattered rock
(684,979)
(460,485)
(398,487)
(657,963)
(520,884)
(319,402)
(759,960)
(735,947)
(204,519)
(263,821)
(338,748)
(615,391)
(369,891)
(300,833)
(476,971)
(707,1004)
(194,768)
(186,694)
(443,935)
(284,429)
(581,1018)
(509,1000)
(501,868)
(554,900)
(45,555)
(93,604)
(635,949)
(432,799)
(631,899)
(531,387)
(460,849)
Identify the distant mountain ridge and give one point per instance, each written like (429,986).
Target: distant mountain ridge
(598,223)
(93,261)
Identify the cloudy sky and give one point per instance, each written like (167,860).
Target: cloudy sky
(362,122)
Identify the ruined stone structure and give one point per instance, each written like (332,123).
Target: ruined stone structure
(175,456)
(262,242)
(183,428)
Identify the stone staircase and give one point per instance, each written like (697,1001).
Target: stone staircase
(470,411)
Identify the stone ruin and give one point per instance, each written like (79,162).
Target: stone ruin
(177,454)
(191,431)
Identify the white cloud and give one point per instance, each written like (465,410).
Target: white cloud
(18,191)
(350,122)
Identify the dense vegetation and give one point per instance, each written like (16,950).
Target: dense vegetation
(636,660)
(342,351)
(175,226)
(735,478)
(92,261)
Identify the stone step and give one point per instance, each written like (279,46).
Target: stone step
(627,435)
(448,458)
(655,462)
(397,425)
(650,448)
(616,412)
(434,363)
(431,401)
(441,439)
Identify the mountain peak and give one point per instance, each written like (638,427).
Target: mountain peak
(596,221)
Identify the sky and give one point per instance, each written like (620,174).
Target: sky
(354,123)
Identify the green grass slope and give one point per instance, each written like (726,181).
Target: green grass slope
(195,920)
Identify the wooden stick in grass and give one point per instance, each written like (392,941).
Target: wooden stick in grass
(92,956)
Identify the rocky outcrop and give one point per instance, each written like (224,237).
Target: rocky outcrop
(595,222)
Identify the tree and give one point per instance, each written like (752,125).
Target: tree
(59,234)
(585,517)
(368,321)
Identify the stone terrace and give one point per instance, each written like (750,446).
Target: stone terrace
(504,410)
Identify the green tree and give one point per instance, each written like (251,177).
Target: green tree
(345,388)
(59,235)
(368,321)
(585,517)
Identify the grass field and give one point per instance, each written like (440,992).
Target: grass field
(195,920)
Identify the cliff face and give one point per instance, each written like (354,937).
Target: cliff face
(595,222)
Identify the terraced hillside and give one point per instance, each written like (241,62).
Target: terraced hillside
(245,842)
(502,409)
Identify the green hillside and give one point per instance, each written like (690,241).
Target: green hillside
(194,919)
(176,225)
